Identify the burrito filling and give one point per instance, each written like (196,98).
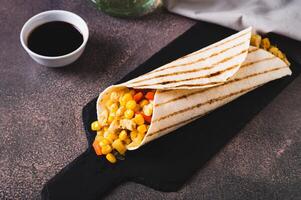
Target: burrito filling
(127,113)
(257,41)
(124,119)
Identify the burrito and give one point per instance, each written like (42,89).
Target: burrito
(138,111)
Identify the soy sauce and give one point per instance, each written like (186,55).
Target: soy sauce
(54,39)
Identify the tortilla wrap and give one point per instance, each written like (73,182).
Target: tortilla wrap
(196,84)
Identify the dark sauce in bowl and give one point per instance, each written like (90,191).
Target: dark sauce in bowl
(54,39)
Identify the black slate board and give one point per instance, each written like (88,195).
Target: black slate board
(168,162)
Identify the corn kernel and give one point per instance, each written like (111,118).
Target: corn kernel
(255,40)
(274,50)
(104,142)
(131,105)
(105,129)
(133,134)
(112,136)
(111,117)
(123,135)
(280,55)
(100,133)
(129,114)
(110,157)
(114,107)
(95,126)
(148,110)
(265,43)
(143,103)
(117,144)
(139,119)
(141,128)
(139,138)
(126,97)
(106,149)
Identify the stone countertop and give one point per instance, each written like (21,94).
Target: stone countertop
(41,127)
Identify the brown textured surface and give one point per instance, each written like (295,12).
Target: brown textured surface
(41,127)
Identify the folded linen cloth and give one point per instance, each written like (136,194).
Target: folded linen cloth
(278,16)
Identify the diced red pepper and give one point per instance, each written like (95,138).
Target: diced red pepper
(138,96)
(150,95)
(97,148)
(147,118)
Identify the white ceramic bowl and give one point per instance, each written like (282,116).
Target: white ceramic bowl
(49,16)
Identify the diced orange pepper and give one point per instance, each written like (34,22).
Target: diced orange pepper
(147,118)
(97,148)
(150,95)
(138,96)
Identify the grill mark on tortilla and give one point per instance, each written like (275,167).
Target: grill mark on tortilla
(218,98)
(198,60)
(230,81)
(194,78)
(192,70)
(257,61)
(254,49)
(196,92)
(212,83)
(214,46)
(171,126)
(208,102)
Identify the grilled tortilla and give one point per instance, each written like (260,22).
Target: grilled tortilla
(192,86)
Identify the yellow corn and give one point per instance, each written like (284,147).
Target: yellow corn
(105,129)
(129,114)
(255,40)
(95,126)
(114,96)
(104,142)
(100,132)
(133,134)
(139,119)
(265,43)
(106,149)
(132,92)
(125,98)
(123,135)
(139,138)
(112,136)
(131,105)
(143,103)
(110,157)
(274,50)
(111,117)
(141,128)
(117,144)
